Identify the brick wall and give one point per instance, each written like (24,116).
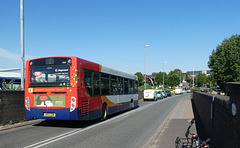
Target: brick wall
(203,102)
(216,116)
(11,106)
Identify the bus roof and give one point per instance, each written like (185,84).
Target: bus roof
(95,66)
(117,73)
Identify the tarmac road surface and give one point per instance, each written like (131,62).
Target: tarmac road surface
(130,129)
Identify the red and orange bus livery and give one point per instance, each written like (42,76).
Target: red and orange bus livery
(71,88)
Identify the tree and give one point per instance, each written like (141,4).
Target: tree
(154,73)
(210,80)
(140,78)
(200,79)
(225,61)
(159,77)
(173,78)
(188,78)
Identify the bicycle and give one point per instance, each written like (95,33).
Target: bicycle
(191,142)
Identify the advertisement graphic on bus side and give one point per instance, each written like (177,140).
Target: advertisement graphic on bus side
(49,100)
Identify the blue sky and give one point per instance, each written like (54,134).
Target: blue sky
(113,33)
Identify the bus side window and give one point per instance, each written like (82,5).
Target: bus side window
(88,81)
(113,85)
(96,84)
(131,86)
(126,86)
(104,84)
(120,85)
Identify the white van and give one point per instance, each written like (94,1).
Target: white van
(178,91)
(149,94)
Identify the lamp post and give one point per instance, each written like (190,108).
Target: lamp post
(22,42)
(145,78)
(193,77)
(180,78)
(163,74)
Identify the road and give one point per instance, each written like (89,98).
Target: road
(130,129)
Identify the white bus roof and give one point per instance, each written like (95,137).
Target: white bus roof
(118,73)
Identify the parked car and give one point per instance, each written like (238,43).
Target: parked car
(169,93)
(159,94)
(178,91)
(188,90)
(164,94)
(149,94)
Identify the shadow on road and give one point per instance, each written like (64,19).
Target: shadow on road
(74,123)
(66,123)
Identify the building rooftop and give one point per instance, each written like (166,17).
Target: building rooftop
(10,73)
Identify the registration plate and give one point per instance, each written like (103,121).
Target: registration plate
(49,114)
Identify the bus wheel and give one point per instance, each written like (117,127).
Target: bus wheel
(104,112)
(132,105)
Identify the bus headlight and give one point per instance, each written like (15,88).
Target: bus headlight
(73,104)
(27,104)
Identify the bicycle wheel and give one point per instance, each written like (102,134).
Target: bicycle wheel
(178,143)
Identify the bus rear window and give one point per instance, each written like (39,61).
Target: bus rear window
(51,75)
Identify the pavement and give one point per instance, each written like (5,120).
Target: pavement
(176,125)
(23,123)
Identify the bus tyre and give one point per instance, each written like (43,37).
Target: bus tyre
(104,112)
(132,105)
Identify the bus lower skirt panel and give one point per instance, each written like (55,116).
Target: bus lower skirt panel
(65,114)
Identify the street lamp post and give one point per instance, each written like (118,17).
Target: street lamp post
(22,42)
(145,78)
(193,77)
(180,78)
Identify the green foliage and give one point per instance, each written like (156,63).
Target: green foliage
(197,89)
(173,78)
(210,80)
(188,78)
(154,73)
(6,86)
(147,87)
(159,77)
(9,86)
(10,122)
(168,89)
(140,78)
(225,61)
(214,87)
(200,79)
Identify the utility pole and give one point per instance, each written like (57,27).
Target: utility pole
(145,78)
(163,74)
(22,42)
(180,77)
(193,77)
